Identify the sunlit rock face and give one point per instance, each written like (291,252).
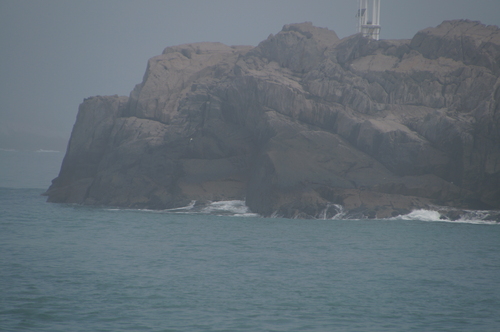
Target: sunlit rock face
(298,124)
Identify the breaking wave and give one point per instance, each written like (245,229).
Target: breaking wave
(423,215)
(238,208)
(333,211)
(468,216)
(235,208)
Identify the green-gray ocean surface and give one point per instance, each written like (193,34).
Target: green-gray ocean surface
(76,268)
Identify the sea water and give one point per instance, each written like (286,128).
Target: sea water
(76,268)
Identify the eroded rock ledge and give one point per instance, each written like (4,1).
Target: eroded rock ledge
(299,123)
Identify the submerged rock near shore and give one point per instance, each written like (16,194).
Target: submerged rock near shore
(299,125)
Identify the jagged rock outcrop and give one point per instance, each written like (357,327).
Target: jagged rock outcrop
(298,124)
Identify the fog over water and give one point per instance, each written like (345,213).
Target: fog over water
(55,53)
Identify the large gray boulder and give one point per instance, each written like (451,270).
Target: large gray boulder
(299,125)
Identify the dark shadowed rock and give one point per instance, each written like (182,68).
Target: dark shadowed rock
(300,125)
(462,40)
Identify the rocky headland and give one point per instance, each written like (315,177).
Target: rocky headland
(299,125)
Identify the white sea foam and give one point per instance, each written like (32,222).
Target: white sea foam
(469,217)
(424,215)
(131,210)
(44,151)
(186,208)
(475,217)
(341,213)
(473,221)
(275,214)
(238,208)
(234,207)
(327,212)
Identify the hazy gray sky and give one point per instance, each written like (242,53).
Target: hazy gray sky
(55,53)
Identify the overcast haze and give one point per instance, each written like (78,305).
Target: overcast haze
(53,54)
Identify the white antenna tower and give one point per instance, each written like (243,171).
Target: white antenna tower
(370,28)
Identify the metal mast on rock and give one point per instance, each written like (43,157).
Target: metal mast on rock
(370,28)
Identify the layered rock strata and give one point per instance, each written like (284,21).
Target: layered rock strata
(300,124)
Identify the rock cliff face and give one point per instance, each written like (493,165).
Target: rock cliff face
(300,124)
